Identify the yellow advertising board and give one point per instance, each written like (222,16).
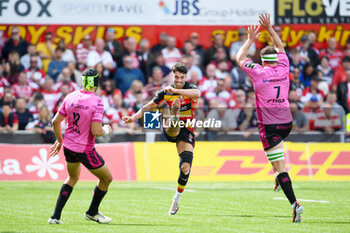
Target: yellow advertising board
(246,161)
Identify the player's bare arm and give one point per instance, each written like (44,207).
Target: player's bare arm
(146,108)
(266,23)
(98,130)
(56,122)
(191,93)
(253,34)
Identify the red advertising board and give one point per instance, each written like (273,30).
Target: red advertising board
(73,34)
(32,162)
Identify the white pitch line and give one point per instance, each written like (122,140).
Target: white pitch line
(172,189)
(303,200)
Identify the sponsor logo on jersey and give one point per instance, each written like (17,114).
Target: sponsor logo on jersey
(279,101)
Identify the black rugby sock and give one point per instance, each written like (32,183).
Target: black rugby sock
(286,185)
(65,192)
(96,200)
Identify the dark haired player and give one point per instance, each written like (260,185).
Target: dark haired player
(84,111)
(271,84)
(182,97)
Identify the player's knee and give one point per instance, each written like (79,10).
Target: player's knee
(72,180)
(107,179)
(185,168)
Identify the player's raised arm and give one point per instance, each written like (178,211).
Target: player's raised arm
(146,108)
(243,51)
(266,23)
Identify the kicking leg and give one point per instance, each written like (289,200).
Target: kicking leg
(276,157)
(105,178)
(66,190)
(185,151)
(170,119)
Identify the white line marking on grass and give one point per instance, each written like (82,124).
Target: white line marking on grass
(303,200)
(172,189)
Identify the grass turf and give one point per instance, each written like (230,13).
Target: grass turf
(205,207)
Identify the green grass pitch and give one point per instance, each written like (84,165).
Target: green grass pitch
(205,207)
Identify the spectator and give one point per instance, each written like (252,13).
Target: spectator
(313,41)
(159,61)
(247,119)
(35,104)
(25,59)
(217,43)
(340,74)
(312,111)
(75,74)
(130,95)
(220,56)
(24,89)
(127,74)
(43,125)
(144,49)
(8,97)
(23,115)
(15,43)
(219,93)
(66,79)
(305,77)
(325,71)
(100,56)
(227,118)
(331,99)
(50,94)
(137,58)
(163,41)
(170,53)
(34,73)
(193,78)
(189,49)
(8,119)
(209,82)
(3,83)
(82,52)
(115,113)
(235,46)
(295,61)
(108,91)
(295,83)
(113,46)
(343,93)
(13,67)
(239,99)
(46,50)
(300,123)
(156,82)
(56,65)
(335,56)
(67,54)
(188,61)
(327,121)
(307,54)
(194,38)
(313,91)
(64,91)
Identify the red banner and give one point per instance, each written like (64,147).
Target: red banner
(72,34)
(31,162)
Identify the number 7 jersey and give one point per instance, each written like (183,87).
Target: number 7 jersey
(81,108)
(271,85)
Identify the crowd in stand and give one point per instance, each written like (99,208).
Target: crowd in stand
(35,78)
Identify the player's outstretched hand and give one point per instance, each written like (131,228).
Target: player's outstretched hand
(265,20)
(127,119)
(169,89)
(55,148)
(253,32)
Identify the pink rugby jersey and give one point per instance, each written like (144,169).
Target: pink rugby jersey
(271,85)
(81,108)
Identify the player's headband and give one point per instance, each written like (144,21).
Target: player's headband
(89,81)
(269,57)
